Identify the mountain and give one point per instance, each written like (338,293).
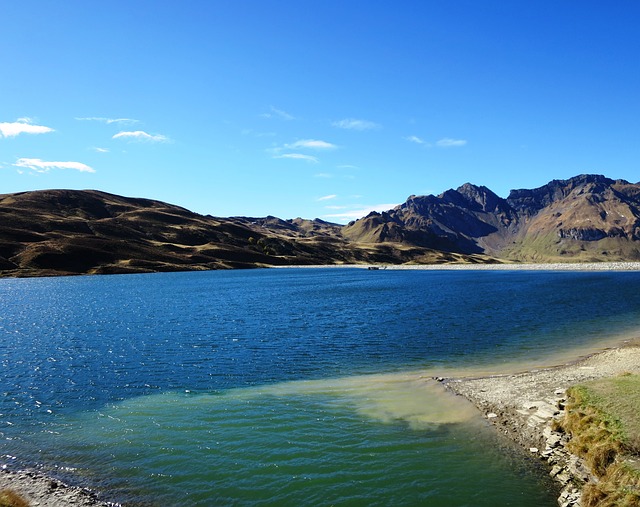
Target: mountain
(54,232)
(59,232)
(585,218)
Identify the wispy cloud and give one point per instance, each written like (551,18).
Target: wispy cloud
(329,197)
(416,139)
(41,166)
(314,144)
(354,124)
(100,150)
(277,113)
(447,142)
(298,156)
(303,144)
(323,175)
(142,136)
(359,212)
(22,126)
(109,120)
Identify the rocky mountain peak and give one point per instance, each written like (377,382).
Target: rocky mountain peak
(562,219)
(531,201)
(478,198)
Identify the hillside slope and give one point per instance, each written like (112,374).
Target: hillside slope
(57,232)
(586,218)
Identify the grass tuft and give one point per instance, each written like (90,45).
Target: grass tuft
(9,498)
(603,421)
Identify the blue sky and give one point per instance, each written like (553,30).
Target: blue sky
(315,108)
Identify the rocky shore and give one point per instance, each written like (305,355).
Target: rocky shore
(39,490)
(524,406)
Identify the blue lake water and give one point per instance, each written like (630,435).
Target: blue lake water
(288,387)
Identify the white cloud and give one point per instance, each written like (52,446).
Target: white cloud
(359,212)
(353,124)
(278,113)
(447,142)
(348,166)
(41,166)
(298,156)
(313,144)
(415,139)
(100,150)
(22,126)
(141,135)
(327,197)
(109,120)
(323,175)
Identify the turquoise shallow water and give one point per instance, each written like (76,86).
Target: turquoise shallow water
(295,387)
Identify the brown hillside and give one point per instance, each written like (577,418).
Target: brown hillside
(57,232)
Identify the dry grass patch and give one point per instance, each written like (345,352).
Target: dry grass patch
(604,422)
(9,498)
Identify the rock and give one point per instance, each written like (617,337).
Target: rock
(492,415)
(554,441)
(578,471)
(546,411)
(563,477)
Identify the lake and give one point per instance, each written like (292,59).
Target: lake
(288,386)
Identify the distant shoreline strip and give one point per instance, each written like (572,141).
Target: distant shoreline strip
(560,266)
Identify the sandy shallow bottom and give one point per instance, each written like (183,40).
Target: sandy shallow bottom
(517,404)
(522,403)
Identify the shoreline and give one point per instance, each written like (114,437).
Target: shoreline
(43,490)
(552,266)
(523,406)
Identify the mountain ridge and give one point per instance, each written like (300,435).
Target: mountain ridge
(57,232)
(562,220)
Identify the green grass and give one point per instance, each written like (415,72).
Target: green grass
(548,247)
(619,398)
(603,419)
